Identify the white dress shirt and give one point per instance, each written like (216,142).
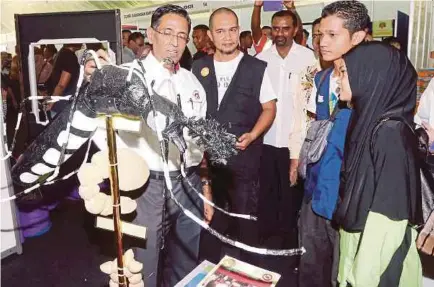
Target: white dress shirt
(284,76)
(193,102)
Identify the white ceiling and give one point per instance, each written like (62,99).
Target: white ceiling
(11,7)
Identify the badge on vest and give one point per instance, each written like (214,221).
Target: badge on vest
(204,72)
(196,95)
(320,99)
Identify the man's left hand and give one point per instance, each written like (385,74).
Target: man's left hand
(244,141)
(293,173)
(208,210)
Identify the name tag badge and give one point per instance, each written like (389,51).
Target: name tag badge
(320,99)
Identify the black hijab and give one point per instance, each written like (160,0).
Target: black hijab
(383,83)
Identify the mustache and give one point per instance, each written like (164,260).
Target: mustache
(279,38)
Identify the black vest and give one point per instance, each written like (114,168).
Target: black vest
(240,107)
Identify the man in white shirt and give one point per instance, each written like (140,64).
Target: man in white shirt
(240,97)
(282,142)
(172,246)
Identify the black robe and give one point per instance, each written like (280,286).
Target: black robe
(380,171)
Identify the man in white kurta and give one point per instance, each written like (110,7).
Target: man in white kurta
(286,60)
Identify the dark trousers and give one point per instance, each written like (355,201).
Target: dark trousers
(181,235)
(236,190)
(278,208)
(278,202)
(319,265)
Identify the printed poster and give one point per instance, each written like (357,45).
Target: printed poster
(382,28)
(231,272)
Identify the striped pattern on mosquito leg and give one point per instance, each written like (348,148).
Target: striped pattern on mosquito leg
(36,186)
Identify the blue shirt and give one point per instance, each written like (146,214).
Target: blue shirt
(323,177)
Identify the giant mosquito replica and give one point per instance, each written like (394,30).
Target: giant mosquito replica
(119,90)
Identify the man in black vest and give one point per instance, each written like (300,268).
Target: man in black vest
(240,97)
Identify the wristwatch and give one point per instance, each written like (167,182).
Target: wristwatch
(206,181)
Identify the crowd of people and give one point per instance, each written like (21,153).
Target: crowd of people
(357,208)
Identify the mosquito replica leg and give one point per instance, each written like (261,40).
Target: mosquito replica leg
(22,109)
(42,156)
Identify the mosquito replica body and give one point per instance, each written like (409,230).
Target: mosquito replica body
(113,90)
(122,90)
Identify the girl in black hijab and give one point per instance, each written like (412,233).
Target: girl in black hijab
(380,186)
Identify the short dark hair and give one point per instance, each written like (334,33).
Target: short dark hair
(286,13)
(126,31)
(354,14)
(221,10)
(245,34)
(201,27)
(169,9)
(391,40)
(316,22)
(306,33)
(134,36)
(267,27)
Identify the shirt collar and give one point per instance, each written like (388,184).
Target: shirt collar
(293,49)
(157,65)
(158,72)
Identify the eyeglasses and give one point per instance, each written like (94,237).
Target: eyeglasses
(167,34)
